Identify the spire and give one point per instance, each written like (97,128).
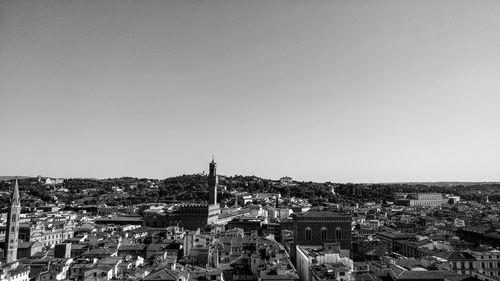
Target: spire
(15,194)
(213,161)
(12,230)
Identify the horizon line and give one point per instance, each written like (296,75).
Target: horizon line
(296,180)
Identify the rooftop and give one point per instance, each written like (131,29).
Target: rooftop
(323,214)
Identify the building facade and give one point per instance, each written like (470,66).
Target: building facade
(420,199)
(191,216)
(317,227)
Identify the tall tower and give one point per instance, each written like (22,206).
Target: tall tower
(212,183)
(12,233)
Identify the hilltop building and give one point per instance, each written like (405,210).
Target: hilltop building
(420,199)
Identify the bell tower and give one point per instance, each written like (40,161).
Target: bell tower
(213,206)
(12,233)
(212,183)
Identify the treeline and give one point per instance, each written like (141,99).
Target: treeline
(194,188)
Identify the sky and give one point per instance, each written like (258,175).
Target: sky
(340,91)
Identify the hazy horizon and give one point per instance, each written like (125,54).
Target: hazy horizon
(2,177)
(340,91)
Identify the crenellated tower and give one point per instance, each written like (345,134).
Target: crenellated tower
(12,231)
(213,206)
(212,183)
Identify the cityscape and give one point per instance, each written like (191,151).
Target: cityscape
(228,233)
(249,140)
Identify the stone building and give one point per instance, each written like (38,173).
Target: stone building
(191,216)
(12,229)
(317,227)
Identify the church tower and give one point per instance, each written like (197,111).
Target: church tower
(12,233)
(212,183)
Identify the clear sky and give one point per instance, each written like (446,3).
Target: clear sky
(341,91)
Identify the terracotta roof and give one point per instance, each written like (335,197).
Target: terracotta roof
(162,274)
(132,247)
(426,275)
(156,247)
(18,270)
(98,251)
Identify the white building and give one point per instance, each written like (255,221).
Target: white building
(307,256)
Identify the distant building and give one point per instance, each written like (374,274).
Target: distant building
(104,210)
(487,265)
(286,181)
(420,199)
(14,272)
(191,216)
(49,181)
(391,239)
(246,198)
(480,235)
(458,222)
(28,249)
(251,225)
(48,209)
(120,220)
(62,250)
(47,233)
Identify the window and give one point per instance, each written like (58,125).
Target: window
(323,234)
(308,234)
(338,233)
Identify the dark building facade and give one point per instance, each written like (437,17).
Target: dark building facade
(480,235)
(188,216)
(191,216)
(319,227)
(249,225)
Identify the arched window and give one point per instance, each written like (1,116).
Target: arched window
(338,233)
(323,233)
(308,234)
